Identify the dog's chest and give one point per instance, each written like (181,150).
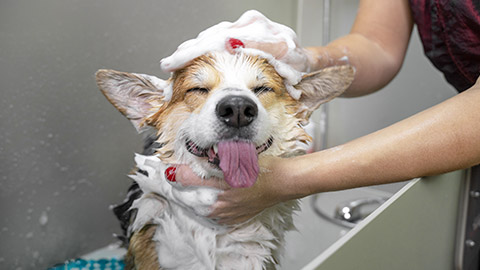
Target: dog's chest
(185,239)
(184,242)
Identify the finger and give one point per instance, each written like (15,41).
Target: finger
(278,50)
(186,177)
(170,174)
(218,209)
(225,215)
(232,44)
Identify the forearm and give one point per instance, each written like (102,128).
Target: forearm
(375,46)
(374,67)
(440,139)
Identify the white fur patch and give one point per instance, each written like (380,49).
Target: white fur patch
(187,240)
(196,199)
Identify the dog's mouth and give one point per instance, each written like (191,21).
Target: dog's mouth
(212,152)
(237,159)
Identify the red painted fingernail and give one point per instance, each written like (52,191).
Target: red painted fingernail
(170,174)
(235,43)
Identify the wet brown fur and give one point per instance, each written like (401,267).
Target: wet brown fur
(142,253)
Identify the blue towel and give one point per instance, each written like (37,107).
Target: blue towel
(81,264)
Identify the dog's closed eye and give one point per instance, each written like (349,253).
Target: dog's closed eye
(262,89)
(202,90)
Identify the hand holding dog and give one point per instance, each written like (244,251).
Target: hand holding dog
(300,59)
(237,205)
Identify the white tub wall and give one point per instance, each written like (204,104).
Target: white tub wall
(64,150)
(414,229)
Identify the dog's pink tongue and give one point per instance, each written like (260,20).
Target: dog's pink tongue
(239,163)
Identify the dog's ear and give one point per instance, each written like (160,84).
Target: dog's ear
(322,86)
(134,95)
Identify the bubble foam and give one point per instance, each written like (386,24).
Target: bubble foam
(251,26)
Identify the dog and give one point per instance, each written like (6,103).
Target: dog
(219,114)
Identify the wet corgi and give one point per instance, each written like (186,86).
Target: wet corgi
(219,114)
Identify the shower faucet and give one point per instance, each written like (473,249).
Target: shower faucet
(356,210)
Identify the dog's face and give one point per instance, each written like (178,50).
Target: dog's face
(222,111)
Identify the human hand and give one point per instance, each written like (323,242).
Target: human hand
(182,176)
(298,58)
(302,59)
(237,205)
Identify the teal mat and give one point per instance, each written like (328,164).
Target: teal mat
(81,264)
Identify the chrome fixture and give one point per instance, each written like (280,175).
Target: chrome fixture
(349,213)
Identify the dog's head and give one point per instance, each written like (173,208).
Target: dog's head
(223,110)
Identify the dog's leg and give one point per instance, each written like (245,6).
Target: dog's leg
(142,253)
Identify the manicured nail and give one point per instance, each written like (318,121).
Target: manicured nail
(170,174)
(236,43)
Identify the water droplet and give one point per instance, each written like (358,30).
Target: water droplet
(43,219)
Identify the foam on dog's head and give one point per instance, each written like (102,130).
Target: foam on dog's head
(252,26)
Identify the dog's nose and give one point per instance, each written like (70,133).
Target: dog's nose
(236,111)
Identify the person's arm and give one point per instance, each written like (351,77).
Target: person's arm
(375,46)
(443,138)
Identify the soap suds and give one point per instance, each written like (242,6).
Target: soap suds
(251,26)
